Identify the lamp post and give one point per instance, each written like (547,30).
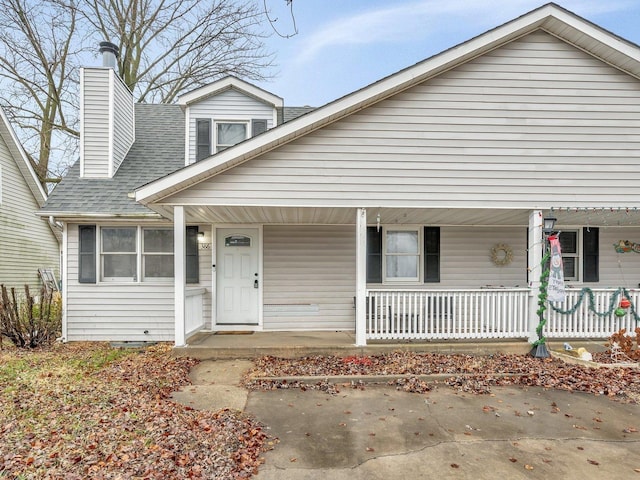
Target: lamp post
(539,349)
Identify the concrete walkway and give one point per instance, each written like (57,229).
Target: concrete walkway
(381,433)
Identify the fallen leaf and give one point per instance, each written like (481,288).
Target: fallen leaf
(294,459)
(528,467)
(593,462)
(513,460)
(369,449)
(455,465)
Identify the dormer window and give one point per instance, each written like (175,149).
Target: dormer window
(230,133)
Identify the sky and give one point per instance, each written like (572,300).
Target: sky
(344,45)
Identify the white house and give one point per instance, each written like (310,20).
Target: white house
(410,209)
(27,242)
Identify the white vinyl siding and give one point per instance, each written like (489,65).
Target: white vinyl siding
(95,123)
(26,240)
(116,311)
(309,268)
(123,122)
(226,107)
(536,121)
(107,123)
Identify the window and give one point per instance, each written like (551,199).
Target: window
(228,134)
(157,253)
(402,255)
(118,254)
(570,255)
(203,138)
(576,254)
(127,251)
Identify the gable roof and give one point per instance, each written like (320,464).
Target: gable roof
(15,147)
(550,18)
(230,82)
(157,151)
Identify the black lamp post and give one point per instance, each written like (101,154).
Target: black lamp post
(539,349)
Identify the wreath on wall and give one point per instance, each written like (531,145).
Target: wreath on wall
(501,254)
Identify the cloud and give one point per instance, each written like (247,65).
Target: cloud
(420,20)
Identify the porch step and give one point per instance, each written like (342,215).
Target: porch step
(302,344)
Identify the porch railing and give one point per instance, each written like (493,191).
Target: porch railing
(451,314)
(583,322)
(193,310)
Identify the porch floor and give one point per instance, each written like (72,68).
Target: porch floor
(211,345)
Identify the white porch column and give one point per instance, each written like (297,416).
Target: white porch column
(179,260)
(361,277)
(534,258)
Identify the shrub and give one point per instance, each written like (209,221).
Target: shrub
(27,321)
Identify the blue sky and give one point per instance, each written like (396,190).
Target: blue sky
(344,45)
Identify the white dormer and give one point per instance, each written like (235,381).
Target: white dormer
(224,113)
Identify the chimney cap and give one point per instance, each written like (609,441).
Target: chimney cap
(109,47)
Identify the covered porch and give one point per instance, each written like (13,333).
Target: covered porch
(485,302)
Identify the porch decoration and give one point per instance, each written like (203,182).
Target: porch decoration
(615,307)
(539,349)
(501,255)
(625,246)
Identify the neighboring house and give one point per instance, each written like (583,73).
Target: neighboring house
(27,241)
(410,209)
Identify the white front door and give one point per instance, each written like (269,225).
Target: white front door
(237,281)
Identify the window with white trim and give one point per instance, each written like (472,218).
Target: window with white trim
(229,133)
(570,248)
(118,254)
(402,255)
(157,254)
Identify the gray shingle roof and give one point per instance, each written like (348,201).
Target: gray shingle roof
(286,114)
(157,151)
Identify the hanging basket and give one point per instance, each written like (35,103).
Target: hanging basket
(501,255)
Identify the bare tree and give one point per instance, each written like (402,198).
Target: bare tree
(166,48)
(39,86)
(170,46)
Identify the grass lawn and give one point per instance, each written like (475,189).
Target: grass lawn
(86,410)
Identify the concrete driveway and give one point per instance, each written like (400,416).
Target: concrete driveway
(382,433)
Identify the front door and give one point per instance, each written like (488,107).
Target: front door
(237,281)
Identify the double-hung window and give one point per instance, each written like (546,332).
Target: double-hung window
(580,252)
(402,255)
(118,254)
(157,254)
(230,133)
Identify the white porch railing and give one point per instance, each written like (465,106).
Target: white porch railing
(451,314)
(583,322)
(193,310)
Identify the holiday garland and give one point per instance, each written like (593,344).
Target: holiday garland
(613,302)
(542,300)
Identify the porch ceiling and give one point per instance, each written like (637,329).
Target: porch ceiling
(601,217)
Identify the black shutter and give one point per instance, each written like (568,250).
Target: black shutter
(258,126)
(431,254)
(374,255)
(87,253)
(203,138)
(193,265)
(591,257)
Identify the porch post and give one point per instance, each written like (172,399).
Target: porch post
(179,258)
(361,277)
(534,249)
